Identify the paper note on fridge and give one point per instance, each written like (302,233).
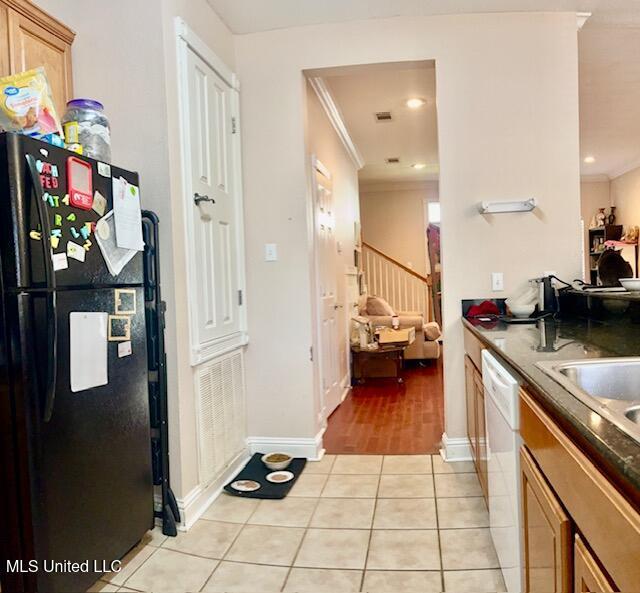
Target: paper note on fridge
(127,214)
(88,350)
(115,257)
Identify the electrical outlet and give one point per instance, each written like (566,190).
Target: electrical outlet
(497,281)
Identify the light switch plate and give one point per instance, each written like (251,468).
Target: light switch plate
(270,252)
(497,281)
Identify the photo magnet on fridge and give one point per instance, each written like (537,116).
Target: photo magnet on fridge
(119,328)
(125,299)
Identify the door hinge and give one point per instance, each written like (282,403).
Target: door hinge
(240,298)
(311,353)
(234,125)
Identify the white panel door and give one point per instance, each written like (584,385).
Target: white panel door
(212,205)
(326,255)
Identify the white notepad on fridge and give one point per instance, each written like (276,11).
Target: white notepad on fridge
(88,350)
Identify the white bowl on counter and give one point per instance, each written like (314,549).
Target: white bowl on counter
(631,284)
(521,310)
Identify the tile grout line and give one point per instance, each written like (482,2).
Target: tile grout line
(304,535)
(435,499)
(137,569)
(373,518)
(224,555)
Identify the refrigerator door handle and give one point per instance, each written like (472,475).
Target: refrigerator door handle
(50,277)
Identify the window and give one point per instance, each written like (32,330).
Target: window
(433,211)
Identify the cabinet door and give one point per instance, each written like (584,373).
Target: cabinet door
(30,46)
(588,577)
(546,533)
(481,430)
(470,389)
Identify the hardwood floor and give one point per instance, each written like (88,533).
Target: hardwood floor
(383,417)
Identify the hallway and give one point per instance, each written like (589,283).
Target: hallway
(351,523)
(382,417)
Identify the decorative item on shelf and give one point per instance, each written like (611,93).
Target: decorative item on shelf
(631,235)
(601,217)
(612,217)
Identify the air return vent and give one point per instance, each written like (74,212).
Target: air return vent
(383,116)
(221,413)
(392,160)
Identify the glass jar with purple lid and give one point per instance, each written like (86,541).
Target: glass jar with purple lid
(86,129)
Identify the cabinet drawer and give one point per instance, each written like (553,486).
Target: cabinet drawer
(603,516)
(473,347)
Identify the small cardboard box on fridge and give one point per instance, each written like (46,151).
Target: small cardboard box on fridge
(387,335)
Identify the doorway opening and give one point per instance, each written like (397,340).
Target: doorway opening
(372,137)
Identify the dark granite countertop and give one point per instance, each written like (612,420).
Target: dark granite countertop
(522,346)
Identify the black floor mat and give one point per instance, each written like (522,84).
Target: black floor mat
(257,471)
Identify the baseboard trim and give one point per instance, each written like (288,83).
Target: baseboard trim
(455,449)
(298,447)
(197,501)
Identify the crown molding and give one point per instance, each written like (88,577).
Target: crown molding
(582,18)
(43,19)
(624,169)
(335,117)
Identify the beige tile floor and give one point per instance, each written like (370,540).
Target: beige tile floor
(351,523)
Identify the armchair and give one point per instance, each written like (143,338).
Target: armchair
(425,346)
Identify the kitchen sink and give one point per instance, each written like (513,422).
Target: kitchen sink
(633,414)
(609,386)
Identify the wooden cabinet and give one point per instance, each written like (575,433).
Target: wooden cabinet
(481,429)
(29,38)
(546,531)
(476,426)
(470,394)
(558,476)
(588,576)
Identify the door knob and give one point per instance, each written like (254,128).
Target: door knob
(197,198)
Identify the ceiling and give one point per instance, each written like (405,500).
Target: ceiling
(250,16)
(609,99)
(609,45)
(411,135)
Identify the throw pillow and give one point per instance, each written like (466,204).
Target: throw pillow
(379,307)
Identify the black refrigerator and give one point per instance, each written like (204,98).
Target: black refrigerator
(76,478)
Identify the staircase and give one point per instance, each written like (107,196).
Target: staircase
(404,289)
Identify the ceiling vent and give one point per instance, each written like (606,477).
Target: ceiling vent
(392,160)
(383,116)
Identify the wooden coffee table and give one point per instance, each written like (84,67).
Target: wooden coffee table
(363,360)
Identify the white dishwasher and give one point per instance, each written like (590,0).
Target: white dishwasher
(503,467)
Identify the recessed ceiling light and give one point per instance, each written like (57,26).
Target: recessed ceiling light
(589,159)
(415,103)
(418,165)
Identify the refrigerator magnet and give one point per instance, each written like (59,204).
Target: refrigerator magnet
(125,301)
(75,251)
(60,261)
(99,203)
(104,169)
(119,328)
(124,349)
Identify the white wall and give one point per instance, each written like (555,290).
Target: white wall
(125,57)
(508,127)
(394,220)
(625,196)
